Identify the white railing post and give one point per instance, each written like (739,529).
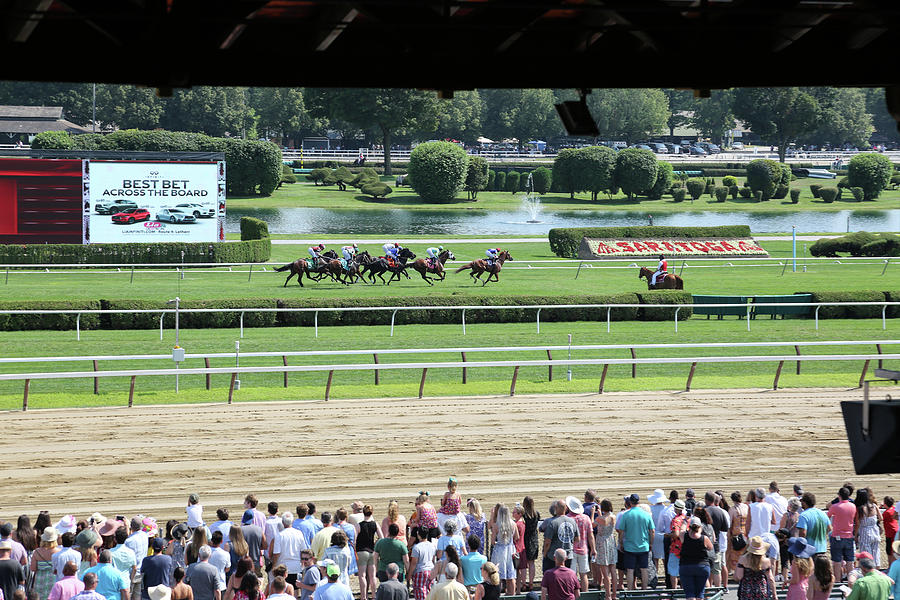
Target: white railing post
(539,320)
(78,327)
(817,317)
(242,324)
(317,322)
(393,314)
(676,318)
(161,317)
(884,317)
(748,316)
(608,309)
(464,321)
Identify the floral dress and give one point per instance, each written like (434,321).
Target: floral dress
(43,579)
(606,544)
(754,585)
(476,528)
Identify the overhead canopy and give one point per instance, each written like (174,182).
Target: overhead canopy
(451,44)
(484,140)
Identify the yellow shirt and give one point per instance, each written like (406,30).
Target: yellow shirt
(321,541)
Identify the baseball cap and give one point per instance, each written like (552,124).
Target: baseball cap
(193,498)
(247,518)
(679,504)
(862,555)
(332,570)
(6,545)
(158,544)
(634,499)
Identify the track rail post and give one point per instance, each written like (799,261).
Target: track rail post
(797,350)
(862,376)
(878,348)
(549,367)
(96,380)
(512,386)
(78,327)
(284,362)
(131,392)
(633,365)
(422,382)
(208,376)
(328,385)
(690,378)
(464,369)
(603,378)
(231,388)
(778,374)
(375,357)
(25,396)
(538,320)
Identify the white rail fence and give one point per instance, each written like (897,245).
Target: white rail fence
(464,364)
(162,312)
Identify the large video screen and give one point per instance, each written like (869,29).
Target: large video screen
(153,202)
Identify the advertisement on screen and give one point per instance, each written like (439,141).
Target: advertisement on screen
(153,202)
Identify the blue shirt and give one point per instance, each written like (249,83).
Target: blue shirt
(333,591)
(139,542)
(471,566)
(815,523)
(110,581)
(637,527)
(894,573)
(123,559)
(224,527)
(309,528)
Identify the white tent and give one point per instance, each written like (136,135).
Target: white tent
(484,140)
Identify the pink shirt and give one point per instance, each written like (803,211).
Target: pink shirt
(842,515)
(65,588)
(584,530)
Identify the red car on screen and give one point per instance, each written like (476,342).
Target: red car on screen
(131,215)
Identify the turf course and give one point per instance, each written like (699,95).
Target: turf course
(515,279)
(443,382)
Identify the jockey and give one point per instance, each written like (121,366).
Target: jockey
(315,252)
(392,252)
(492,253)
(434,253)
(349,251)
(661,269)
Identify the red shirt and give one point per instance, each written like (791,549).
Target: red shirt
(678,523)
(842,515)
(561,583)
(890,523)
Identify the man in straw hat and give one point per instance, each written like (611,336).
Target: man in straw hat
(583,548)
(12,575)
(160,592)
(657,500)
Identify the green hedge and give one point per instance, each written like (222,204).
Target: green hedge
(253,167)
(56,322)
(164,252)
(665,297)
(849,312)
(253,229)
(189,320)
(564,242)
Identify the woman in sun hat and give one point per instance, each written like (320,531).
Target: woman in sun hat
(753,572)
(87,541)
(801,567)
(42,563)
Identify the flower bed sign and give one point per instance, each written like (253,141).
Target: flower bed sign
(596,249)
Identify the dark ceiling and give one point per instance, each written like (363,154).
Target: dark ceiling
(452,44)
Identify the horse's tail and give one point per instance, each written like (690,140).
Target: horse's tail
(464,267)
(285,267)
(679,283)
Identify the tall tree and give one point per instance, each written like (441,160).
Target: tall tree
(843,117)
(389,110)
(215,111)
(714,116)
(281,111)
(128,107)
(629,114)
(780,115)
(681,103)
(882,120)
(460,117)
(523,114)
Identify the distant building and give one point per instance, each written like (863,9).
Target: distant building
(22,123)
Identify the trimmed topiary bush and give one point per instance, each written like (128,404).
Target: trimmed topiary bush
(492,177)
(500,181)
(710,189)
(795,196)
(253,229)
(664,176)
(843,182)
(542,177)
(635,171)
(815,189)
(695,187)
(746,192)
(512,181)
(781,191)
(828,194)
(438,170)
(476,176)
(858,193)
(376,189)
(678,194)
(52,140)
(721,194)
(729,181)
(734,190)
(870,171)
(317,176)
(764,175)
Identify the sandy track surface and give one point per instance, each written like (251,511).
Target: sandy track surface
(148,459)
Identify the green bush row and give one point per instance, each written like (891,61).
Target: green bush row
(253,167)
(164,252)
(423,314)
(564,242)
(253,229)
(855,312)
(860,243)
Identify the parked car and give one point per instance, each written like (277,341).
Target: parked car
(175,215)
(198,210)
(697,151)
(709,147)
(737,145)
(131,215)
(673,148)
(658,147)
(642,147)
(111,207)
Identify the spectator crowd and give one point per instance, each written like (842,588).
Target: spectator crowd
(452,549)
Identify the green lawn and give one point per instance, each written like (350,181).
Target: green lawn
(64,393)
(309,195)
(519,277)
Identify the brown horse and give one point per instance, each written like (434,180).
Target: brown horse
(304,266)
(667,282)
(423,266)
(482,265)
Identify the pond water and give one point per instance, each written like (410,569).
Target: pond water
(397,221)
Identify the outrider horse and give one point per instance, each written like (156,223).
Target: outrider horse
(491,267)
(306,266)
(381,265)
(667,282)
(424,266)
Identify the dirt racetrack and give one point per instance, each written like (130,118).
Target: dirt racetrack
(148,459)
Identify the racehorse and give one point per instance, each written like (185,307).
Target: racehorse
(482,265)
(423,266)
(667,282)
(381,265)
(307,266)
